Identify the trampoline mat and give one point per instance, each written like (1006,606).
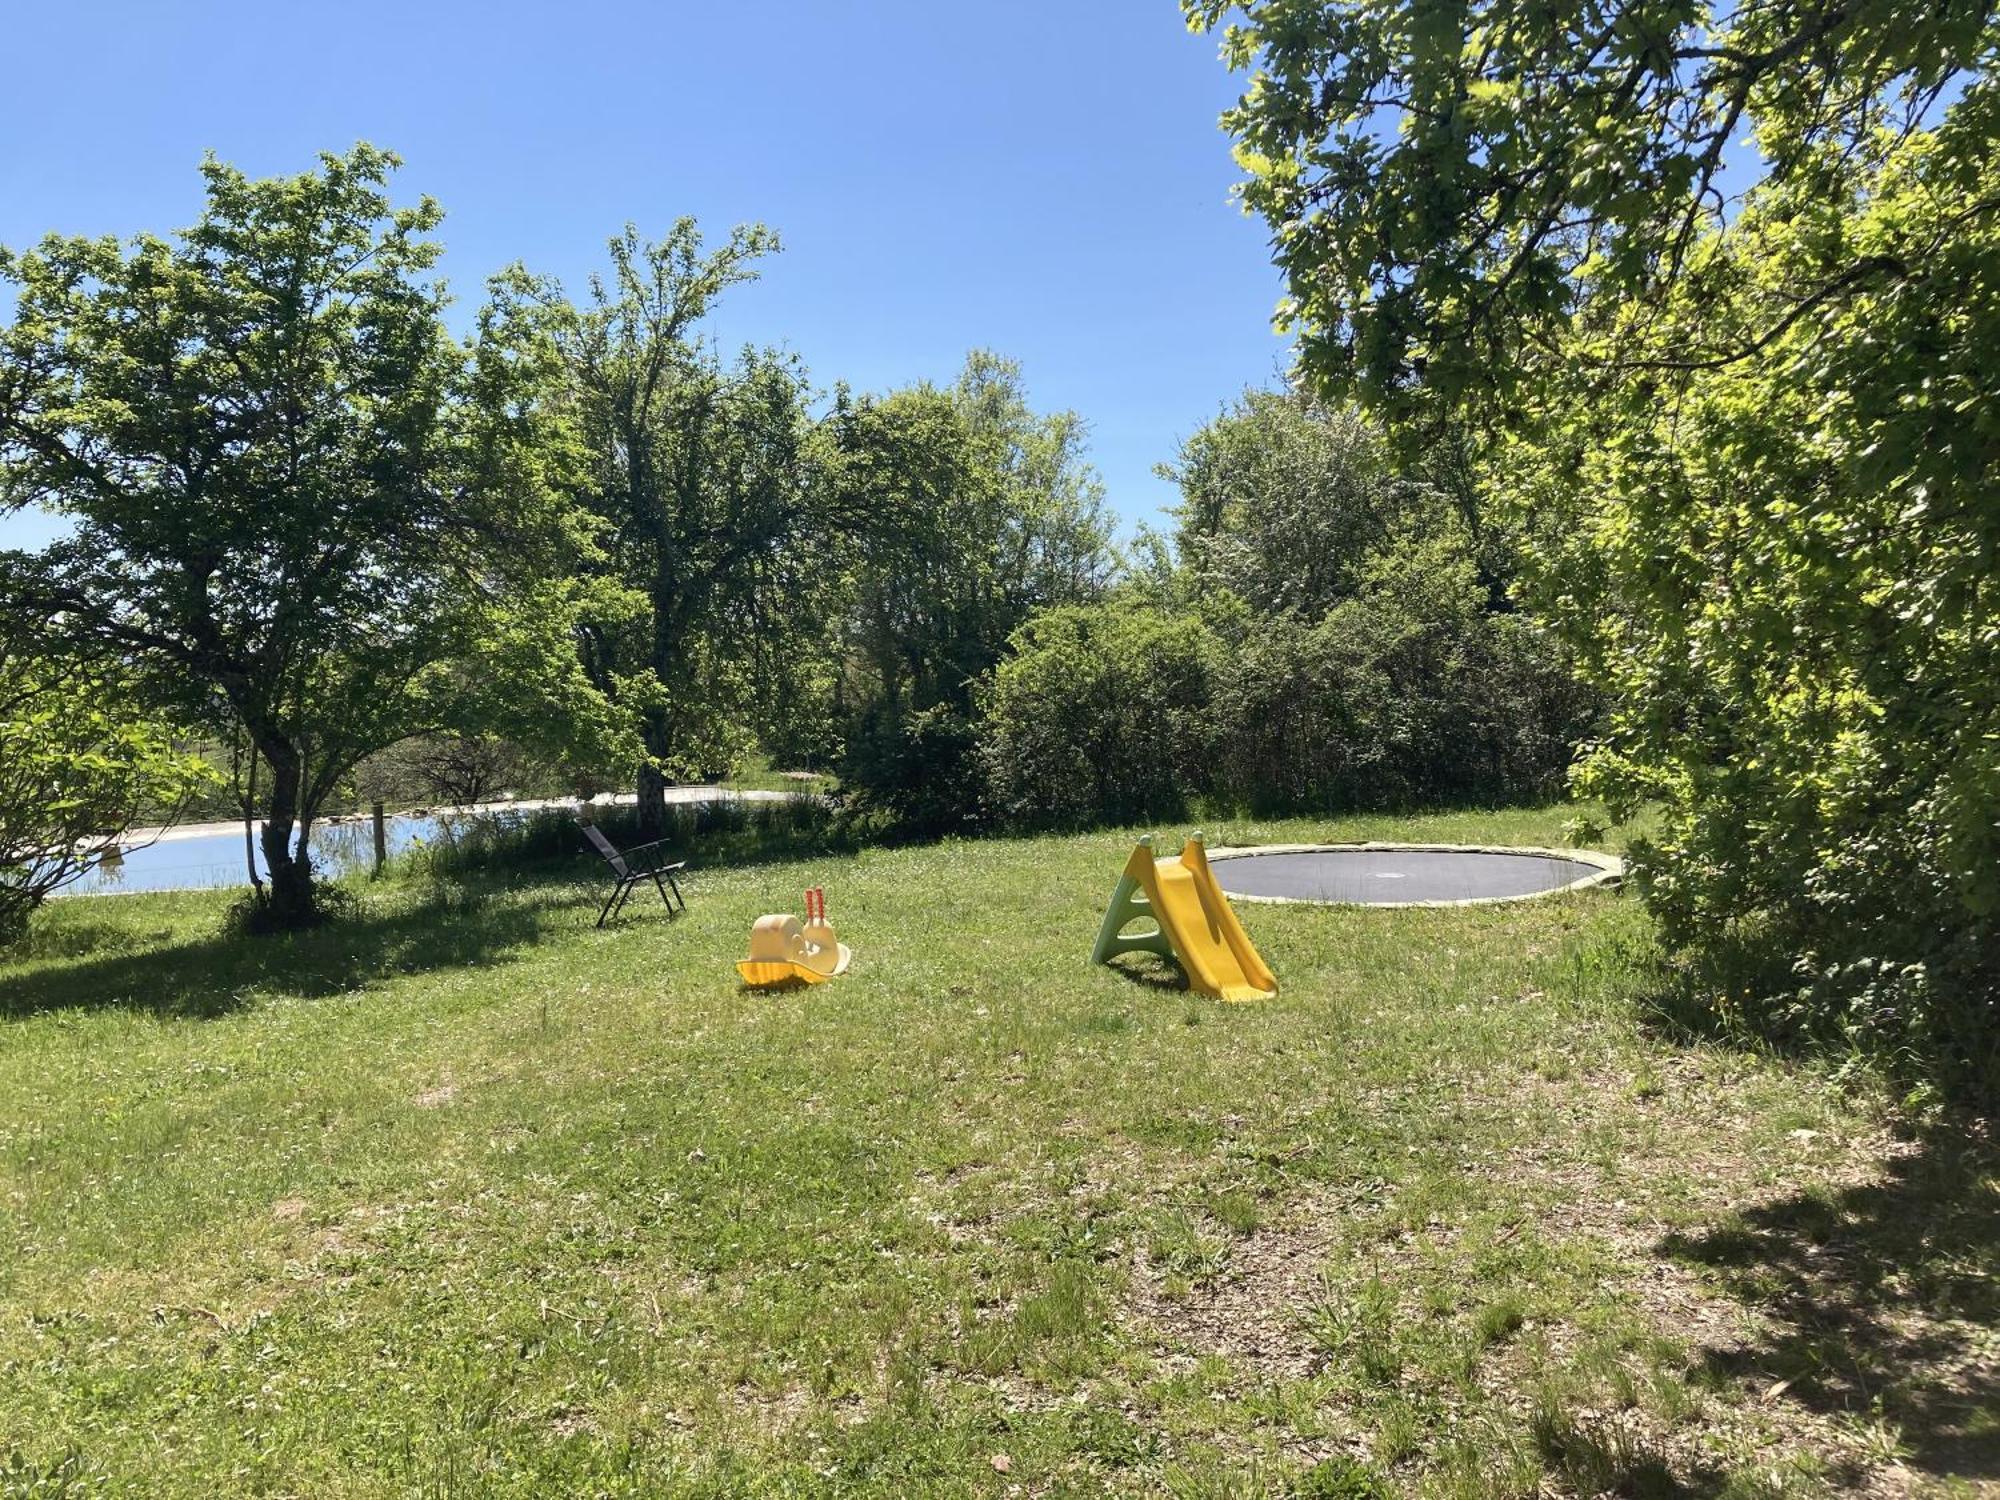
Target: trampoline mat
(1382,876)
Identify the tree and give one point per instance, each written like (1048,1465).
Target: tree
(1748,408)
(1283,502)
(981,512)
(1409,692)
(457,770)
(698,473)
(1450,189)
(296,503)
(1787,574)
(76,767)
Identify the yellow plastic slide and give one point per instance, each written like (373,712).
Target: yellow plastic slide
(1195,924)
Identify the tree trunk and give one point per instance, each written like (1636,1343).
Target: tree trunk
(291,900)
(249,816)
(652,802)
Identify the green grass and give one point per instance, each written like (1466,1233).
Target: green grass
(465,1196)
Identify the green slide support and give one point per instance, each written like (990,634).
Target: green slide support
(1128,905)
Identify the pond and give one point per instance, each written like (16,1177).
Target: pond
(190,860)
(210,855)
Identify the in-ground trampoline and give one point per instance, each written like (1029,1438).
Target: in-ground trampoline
(1406,874)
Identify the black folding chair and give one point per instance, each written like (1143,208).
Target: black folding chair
(633,866)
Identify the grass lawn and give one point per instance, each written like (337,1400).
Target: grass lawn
(467,1197)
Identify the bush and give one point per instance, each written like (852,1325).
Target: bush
(1410,693)
(78,760)
(919,767)
(1782,566)
(253,914)
(1096,717)
(732,831)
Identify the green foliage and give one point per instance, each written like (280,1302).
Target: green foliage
(698,477)
(1753,439)
(1283,502)
(1408,694)
(77,764)
(1450,190)
(1320,635)
(452,770)
(983,512)
(296,503)
(1094,716)
(1792,584)
(734,830)
(918,767)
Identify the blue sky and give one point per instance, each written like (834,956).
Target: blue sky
(1040,177)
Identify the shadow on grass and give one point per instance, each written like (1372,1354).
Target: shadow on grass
(1880,1301)
(1745,992)
(1603,1457)
(1151,971)
(216,974)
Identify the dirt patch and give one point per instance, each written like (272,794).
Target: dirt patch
(571,1421)
(1251,1312)
(437,1097)
(771,1413)
(1819,1296)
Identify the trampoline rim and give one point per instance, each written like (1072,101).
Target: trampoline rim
(1606,869)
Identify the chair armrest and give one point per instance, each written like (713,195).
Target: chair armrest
(650,858)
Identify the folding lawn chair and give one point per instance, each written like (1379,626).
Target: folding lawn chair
(631,867)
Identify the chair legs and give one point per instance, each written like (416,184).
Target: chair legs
(615,902)
(677,899)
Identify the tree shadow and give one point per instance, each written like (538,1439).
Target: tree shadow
(1880,1301)
(222,972)
(1743,991)
(1604,1457)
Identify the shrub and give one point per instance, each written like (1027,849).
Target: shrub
(1300,717)
(78,761)
(919,768)
(1410,693)
(734,831)
(1783,567)
(1095,716)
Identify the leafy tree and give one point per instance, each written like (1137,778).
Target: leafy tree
(1283,502)
(982,513)
(77,765)
(1317,636)
(1373,658)
(1409,692)
(1788,574)
(699,475)
(1747,405)
(296,503)
(1448,190)
(454,769)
